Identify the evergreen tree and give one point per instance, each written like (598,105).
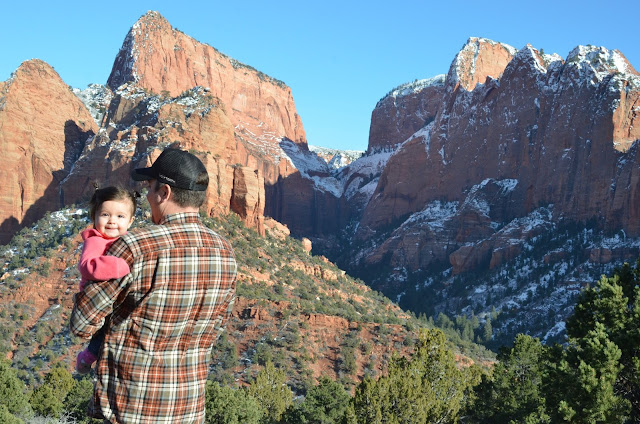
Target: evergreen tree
(77,400)
(427,387)
(594,379)
(611,311)
(513,393)
(271,392)
(47,400)
(487,331)
(7,417)
(588,373)
(225,405)
(325,403)
(13,400)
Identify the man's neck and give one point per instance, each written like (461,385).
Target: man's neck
(171,208)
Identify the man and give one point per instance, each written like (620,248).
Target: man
(163,317)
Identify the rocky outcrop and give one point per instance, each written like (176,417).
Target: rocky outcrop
(138,127)
(604,255)
(43,129)
(479,59)
(247,197)
(162,59)
(403,111)
(562,131)
(170,89)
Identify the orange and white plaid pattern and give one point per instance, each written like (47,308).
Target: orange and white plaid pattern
(163,319)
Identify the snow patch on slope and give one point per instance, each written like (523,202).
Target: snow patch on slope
(311,167)
(434,214)
(416,86)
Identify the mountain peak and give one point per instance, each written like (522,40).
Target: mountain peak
(44,127)
(416,86)
(478,59)
(602,60)
(152,20)
(160,59)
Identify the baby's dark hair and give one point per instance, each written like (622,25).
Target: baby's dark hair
(106,194)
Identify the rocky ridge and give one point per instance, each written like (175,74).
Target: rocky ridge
(294,308)
(43,129)
(512,131)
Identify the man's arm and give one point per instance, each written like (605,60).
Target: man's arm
(93,304)
(227,306)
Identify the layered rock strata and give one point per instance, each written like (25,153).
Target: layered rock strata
(43,129)
(562,132)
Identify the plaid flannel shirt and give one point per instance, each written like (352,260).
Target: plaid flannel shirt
(163,319)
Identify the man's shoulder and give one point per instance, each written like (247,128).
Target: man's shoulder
(161,233)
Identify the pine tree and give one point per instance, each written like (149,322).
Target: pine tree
(226,405)
(487,331)
(609,314)
(514,391)
(77,400)
(589,373)
(47,400)
(427,387)
(7,417)
(325,403)
(271,391)
(13,400)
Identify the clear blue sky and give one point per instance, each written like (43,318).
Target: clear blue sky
(338,56)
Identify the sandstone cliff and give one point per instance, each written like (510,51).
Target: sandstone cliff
(162,59)
(510,184)
(170,89)
(560,131)
(43,129)
(403,111)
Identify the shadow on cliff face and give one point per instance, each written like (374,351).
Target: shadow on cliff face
(8,228)
(75,139)
(308,205)
(47,202)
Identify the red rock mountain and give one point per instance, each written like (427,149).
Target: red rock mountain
(510,132)
(159,58)
(43,129)
(170,89)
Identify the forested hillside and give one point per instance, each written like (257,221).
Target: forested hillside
(294,310)
(593,378)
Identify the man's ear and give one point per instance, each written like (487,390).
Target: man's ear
(166,192)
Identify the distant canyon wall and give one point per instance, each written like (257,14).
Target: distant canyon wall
(562,131)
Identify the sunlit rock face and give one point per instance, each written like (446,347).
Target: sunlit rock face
(158,57)
(513,131)
(171,90)
(43,129)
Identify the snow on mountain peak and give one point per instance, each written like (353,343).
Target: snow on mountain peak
(528,54)
(335,158)
(600,61)
(416,86)
(478,59)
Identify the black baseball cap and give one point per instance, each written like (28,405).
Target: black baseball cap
(176,168)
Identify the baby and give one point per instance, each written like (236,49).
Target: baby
(112,211)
